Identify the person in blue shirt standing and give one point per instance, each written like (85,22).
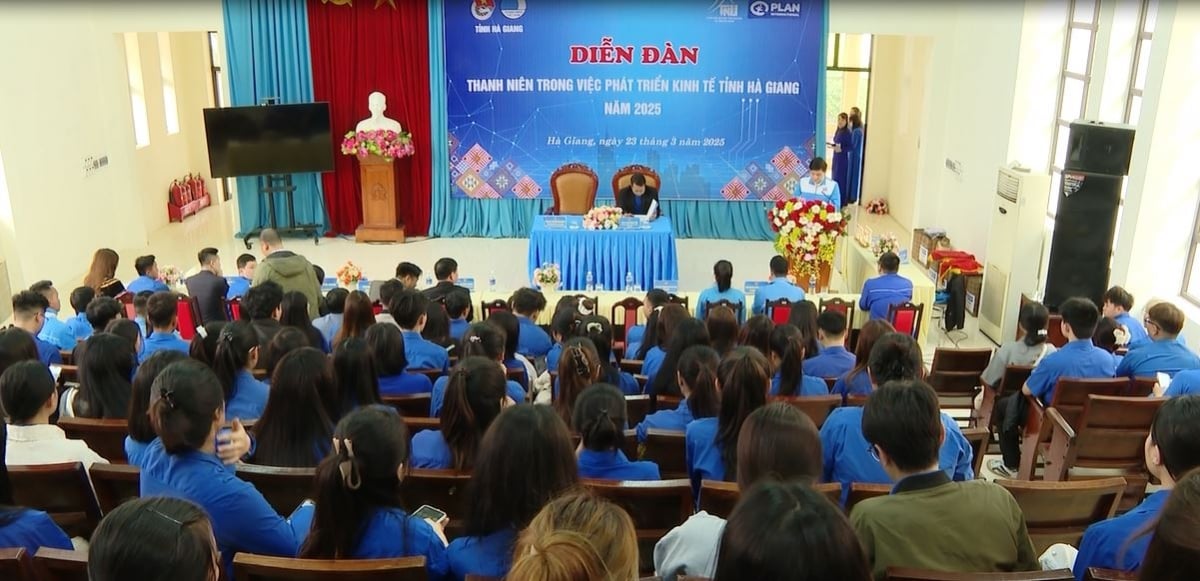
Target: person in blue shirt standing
(475,394)
(698,385)
(54,331)
(388,348)
(527,304)
(1117,304)
(854,157)
(161,313)
(1078,359)
(1172,450)
(79,325)
(711,443)
(1162,353)
(817,186)
(147,280)
(358,512)
(600,417)
(779,287)
(833,360)
(408,308)
(234,362)
(787,357)
(29,314)
(723,290)
(238,285)
(887,289)
(458,308)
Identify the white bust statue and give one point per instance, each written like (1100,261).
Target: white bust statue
(377,103)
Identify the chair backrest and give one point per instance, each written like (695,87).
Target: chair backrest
(115,484)
(978,438)
(1013,379)
(656,506)
(681,300)
(187,312)
(574,189)
(908,574)
(443,489)
(1109,434)
(779,311)
(248,567)
(960,360)
(489,307)
(1098,574)
(105,437)
(816,407)
(831,490)
(667,449)
(621,178)
(234,308)
(61,490)
(416,424)
(1058,512)
(126,300)
(1071,393)
(60,565)
(630,309)
(15,564)
(955,389)
(284,488)
(666,402)
(1142,386)
(637,407)
(906,318)
(844,307)
(415,405)
(735,307)
(860,491)
(432,374)
(718,498)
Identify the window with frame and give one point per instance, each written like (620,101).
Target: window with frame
(1147,19)
(166,65)
(847,76)
(137,90)
(1073,86)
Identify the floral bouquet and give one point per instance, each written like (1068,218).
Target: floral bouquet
(169,275)
(348,275)
(602,218)
(885,243)
(548,277)
(877,206)
(807,232)
(385,143)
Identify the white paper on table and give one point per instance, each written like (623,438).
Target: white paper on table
(652,213)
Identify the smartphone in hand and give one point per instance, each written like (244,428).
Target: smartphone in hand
(430,513)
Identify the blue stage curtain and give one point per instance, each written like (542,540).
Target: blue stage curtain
(267,45)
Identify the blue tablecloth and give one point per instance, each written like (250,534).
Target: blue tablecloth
(649,254)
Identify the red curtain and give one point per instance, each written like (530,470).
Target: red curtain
(374,45)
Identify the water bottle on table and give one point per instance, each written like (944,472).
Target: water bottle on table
(492,281)
(590,282)
(628,281)
(812,284)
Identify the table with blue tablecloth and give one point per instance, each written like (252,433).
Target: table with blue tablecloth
(647,252)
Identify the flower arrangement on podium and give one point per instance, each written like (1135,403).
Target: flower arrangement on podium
(348,276)
(807,232)
(884,243)
(384,143)
(548,277)
(602,218)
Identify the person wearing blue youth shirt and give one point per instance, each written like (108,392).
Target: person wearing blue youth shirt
(787,357)
(710,443)
(238,285)
(818,186)
(408,309)
(527,304)
(388,349)
(1172,450)
(474,397)
(234,361)
(458,308)
(1184,383)
(779,287)
(79,324)
(834,360)
(331,323)
(600,418)
(1078,359)
(655,300)
(24,527)
(1117,304)
(53,330)
(887,289)
(161,314)
(1162,353)
(563,326)
(485,340)
(722,290)
(29,314)
(147,280)
(698,385)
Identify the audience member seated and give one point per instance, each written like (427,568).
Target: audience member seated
(286,340)
(30,397)
(54,331)
(154,539)
(204,344)
(1028,350)
(563,326)
(887,289)
(787,359)
(238,285)
(723,290)
(78,324)
(1079,359)
(600,418)
(756,333)
(723,329)
(804,317)
(357,317)
(458,308)
(577,536)
(712,443)
(1184,383)
(598,330)
(234,363)
(129,331)
(391,362)
(408,274)
(778,287)
(1117,304)
(358,513)
(665,380)
(777,442)
(355,374)
(102,273)
(387,290)
(528,304)
(209,287)
(148,278)
(262,307)
(1106,338)
(408,307)
(524,461)
(698,386)
(655,300)
(1162,353)
(475,394)
(636,198)
(446,271)
(292,272)
(833,360)
(660,328)
(1173,553)
(15,345)
(760,538)
(162,313)
(1172,450)
(188,415)
(101,311)
(293,312)
(331,323)
(141,431)
(140,302)
(848,455)
(29,314)
(295,426)
(105,370)
(513,360)
(481,340)
(857,382)
(437,327)
(578,370)
(24,527)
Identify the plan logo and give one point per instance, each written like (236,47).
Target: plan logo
(724,11)
(512,9)
(482,9)
(762,9)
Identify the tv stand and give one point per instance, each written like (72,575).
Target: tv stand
(269,185)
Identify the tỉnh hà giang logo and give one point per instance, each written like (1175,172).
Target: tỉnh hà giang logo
(763,9)
(483,9)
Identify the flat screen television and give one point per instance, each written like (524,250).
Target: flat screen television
(269,139)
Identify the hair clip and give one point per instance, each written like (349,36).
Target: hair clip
(1042,332)
(474,339)
(349,472)
(584,310)
(595,327)
(167,395)
(165,516)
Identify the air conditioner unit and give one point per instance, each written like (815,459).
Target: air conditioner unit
(1014,250)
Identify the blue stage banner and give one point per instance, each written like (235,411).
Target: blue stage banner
(720,97)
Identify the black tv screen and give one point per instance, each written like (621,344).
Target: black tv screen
(269,139)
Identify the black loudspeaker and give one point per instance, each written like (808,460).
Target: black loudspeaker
(1081,248)
(1099,147)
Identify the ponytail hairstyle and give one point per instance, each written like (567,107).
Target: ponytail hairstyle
(105,370)
(597,329)
(295,427)
(1033,318)
(204,344)
(867,337)
(577,536)
(578,368)
(355,374)
(895,357)
(186,400)
(745,377)
(688,333)
(698,373)
(756,333)
(600,418)
(788,345)
(564,324)
(474,397)
(360,476)
(237,349)
(141,429)
(484,340)
(723,272)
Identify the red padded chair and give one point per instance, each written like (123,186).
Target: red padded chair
(235,309)
(188,316)
(126,300)
(779,311)
(906,318)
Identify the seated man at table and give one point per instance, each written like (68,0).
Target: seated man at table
(238,285)
(887,289)
(446,271)
(637,197)
(779,287)
(1162,353)
(818,186)
(147,280)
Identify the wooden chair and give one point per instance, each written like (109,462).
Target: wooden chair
(126,300)
(573,187)
(631,365)
(860,491)
(680,300)
(60,565)
(1012,381)
(718,498)
(621,178)
(187,312)
(487,308)
(16,565)
(656,507)
(416,405)
(909,574)
(68,375)
(816,407)
(831,490)
(779,311)
(284,488)
(416,424)
(629,445)
(115,484)
(666,402)
(62,490)
(955,376)
(105,437)
(668,450)
(737,308)
(249,567)
(979,438)
(1142,386)
(637,407)
(1098,574)
(1059,512)
(1069,396)
(906,318)
(443,489)
(830,382)
(630,309)
(260,374)
(68,357)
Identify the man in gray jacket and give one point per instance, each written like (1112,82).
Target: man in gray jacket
(289,270)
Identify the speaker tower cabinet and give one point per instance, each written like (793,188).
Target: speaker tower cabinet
(1098,147)
(1081,249)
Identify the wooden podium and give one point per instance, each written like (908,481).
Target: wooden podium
(377,176)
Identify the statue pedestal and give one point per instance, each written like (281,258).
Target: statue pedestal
(378,182)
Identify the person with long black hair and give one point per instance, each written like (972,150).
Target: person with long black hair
(233,363)
(25,527)
(697,379)
(294,429)
(141,430)
(711,443)
(387,345)
(105,372)
(485,340)
(656,299)
(756,333)
(356,375)
(722,290)
(804,317)
(293,312)
(689,333)
(475,395)
(597,329)
(666,321)
(563,326)
(29,396)
(787,357)
(154,539)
